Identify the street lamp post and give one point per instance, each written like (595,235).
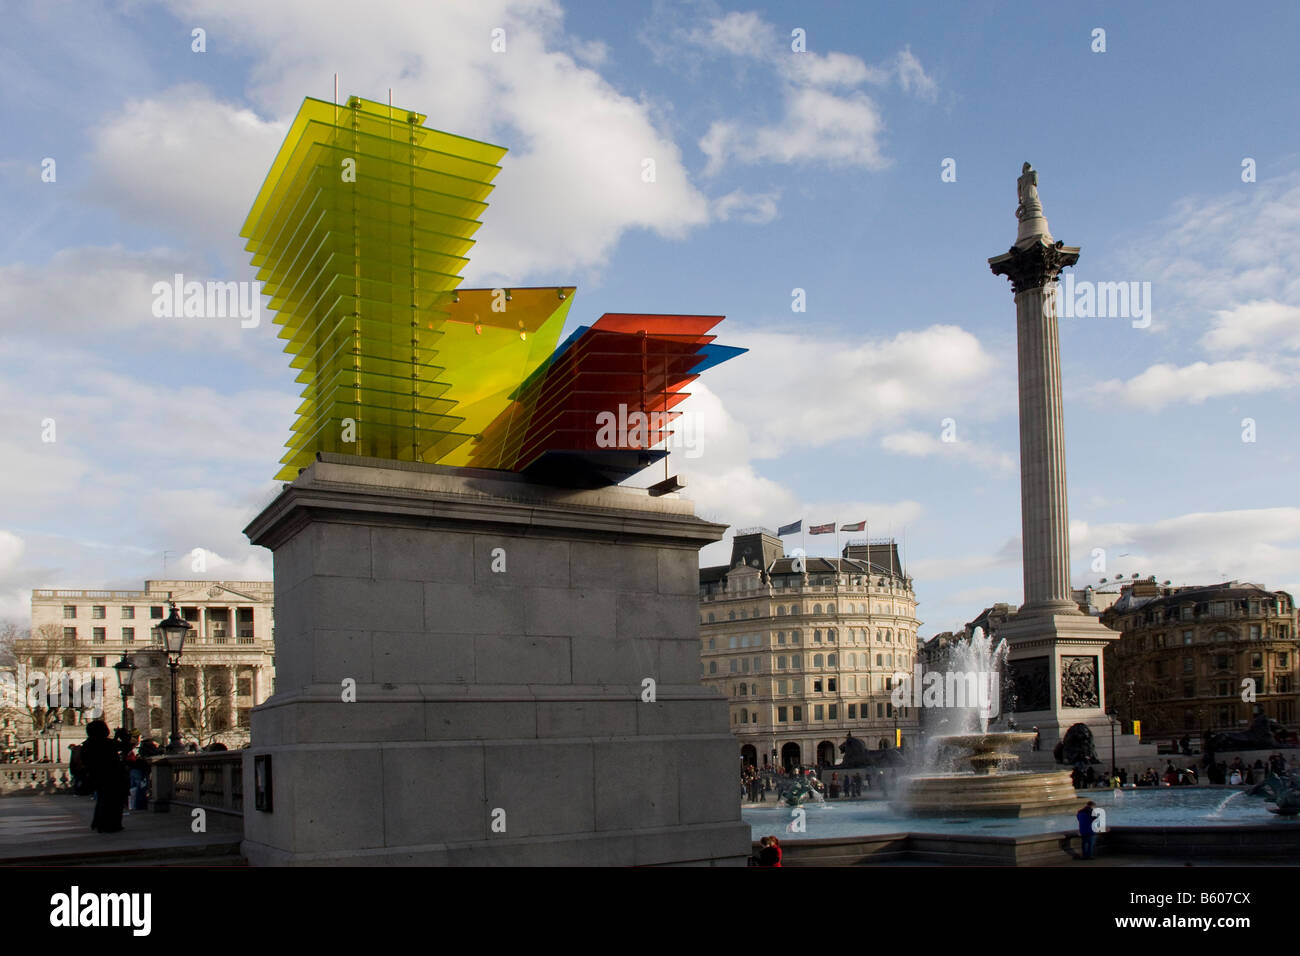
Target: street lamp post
(125,669)
(174,631)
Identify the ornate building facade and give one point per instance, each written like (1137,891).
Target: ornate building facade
(1188,656)
(806,649)
(227,667)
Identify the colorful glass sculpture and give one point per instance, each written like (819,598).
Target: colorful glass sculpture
(360,233)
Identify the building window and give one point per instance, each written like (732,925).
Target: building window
(744,665)
(818,712)
(853,711)
(1256,661)
(1254,632)
(794,637)
(713,667)
(832,711)
(127,613)
(710,617)
(69,661)
(796,661)
(780,662)
(780,715)
(245,717)
(796,713)
(733,666)
(1187,637)
(780,687)
(99,662)
(155,635)
(97,612)
(1283,659)
(817,660)
(830,660)
(817,636)
(156,612)
(830,635)
(830,684)
(817,685)
(69,633)
(155,686)
(99,635)
(128,635)
(880,660)
(1189,665)
(780,637)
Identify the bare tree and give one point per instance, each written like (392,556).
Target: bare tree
(210,715)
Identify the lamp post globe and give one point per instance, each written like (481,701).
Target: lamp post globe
(174,631)
(125,669)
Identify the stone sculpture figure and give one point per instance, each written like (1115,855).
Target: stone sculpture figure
(1260,735)
(855,754)
(1076,747)
(1079,682)
(1282,791)
(1027,190)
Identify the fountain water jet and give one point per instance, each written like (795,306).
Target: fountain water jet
(992,786)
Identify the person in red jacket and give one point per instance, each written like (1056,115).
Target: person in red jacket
(770,852)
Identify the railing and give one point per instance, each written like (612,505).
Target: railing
(33,777)
(213,781)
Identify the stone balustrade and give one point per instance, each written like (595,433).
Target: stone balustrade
(34,778)
(213,781)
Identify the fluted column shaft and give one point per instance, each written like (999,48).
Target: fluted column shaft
(1044,510)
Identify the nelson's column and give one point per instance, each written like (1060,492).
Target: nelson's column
(1055,649)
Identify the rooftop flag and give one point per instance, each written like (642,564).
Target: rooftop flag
(853,527)
(794,528)
(822,528)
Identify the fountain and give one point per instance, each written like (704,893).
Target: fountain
(992,786)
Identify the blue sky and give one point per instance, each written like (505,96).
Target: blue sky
(776,170)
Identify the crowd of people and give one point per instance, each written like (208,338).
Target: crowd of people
(756,784)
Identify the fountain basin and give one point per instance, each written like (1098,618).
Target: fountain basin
(989,795)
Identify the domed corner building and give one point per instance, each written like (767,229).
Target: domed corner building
(1185,652)
(806,650)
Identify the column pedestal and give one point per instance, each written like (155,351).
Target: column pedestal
(476,670)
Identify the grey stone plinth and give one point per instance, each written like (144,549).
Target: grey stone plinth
(462,664)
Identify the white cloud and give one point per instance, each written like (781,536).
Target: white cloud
(1164,384)
(1216,252)
(917,444)
(754,208)
(185,163)
(824,388)
(570,186)
(816,126)
(1260,545)
(1261,326)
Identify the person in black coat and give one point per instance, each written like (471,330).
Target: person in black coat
(100,755)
